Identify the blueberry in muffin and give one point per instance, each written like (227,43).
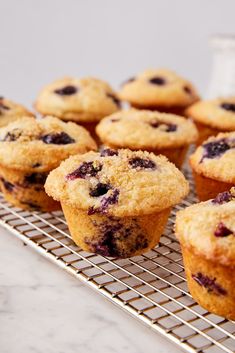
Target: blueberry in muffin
(85,101)
(206,232)
(11,111)
(116,203)
(29,150)
(213,116)
(213,165)
(159,89)
(160,133)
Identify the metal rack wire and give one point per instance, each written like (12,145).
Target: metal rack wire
(151,287)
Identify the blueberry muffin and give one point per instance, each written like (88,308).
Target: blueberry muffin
(29,149)
(11,111)
(213,165)
(116,203)
(213,116)
(85,101)
(206,232)
(161,90)
(156,132)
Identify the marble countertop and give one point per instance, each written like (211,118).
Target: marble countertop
(45,310)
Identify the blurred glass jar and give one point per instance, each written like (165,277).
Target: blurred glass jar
(222,81)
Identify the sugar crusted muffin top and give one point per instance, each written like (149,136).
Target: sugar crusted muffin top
(209,228)
(136,129)
(215,158)
(159,87)
(40,145)
(85,100)
(11,111)
(117,183)
(218,113)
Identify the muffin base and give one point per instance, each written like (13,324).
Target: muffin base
(211,284)
(91,128)
(204,132)
(113,236)
(207,188)
(26,190)
(175,155)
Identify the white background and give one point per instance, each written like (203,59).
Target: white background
(47,39)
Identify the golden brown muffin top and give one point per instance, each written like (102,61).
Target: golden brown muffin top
(81,100)
(140,129)
(40,145)
(118,183)
(11,111)
(217,113)
(158,87)
(208,228)
(215,158)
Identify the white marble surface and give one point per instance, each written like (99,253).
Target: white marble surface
(45,310)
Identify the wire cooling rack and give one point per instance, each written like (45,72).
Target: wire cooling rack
(151,287)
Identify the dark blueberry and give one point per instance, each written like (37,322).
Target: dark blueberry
(105,203)
(7,185)
(36,165)
(86,169)
(114,120)
(58,138)
(223,197)
(169,127)
(92,210)
(35,178)
(108,245)
(155,124)
(99,190)
(66,91)
(109,200)
(12,135)
(160,81)
(187,90)
(215,149)
(222,231)
(140,243)
(9,137)
(209,283)
(140,163)
(108,152)
(112,235)
(131,79)
(228,106)
(104,248)
(114,99)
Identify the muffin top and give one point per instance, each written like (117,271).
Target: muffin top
(118,183)
(11,111)
(40,145)
(218,113)
(139,129)
(215,158)
(84,100)
(159,87)
(209,228)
